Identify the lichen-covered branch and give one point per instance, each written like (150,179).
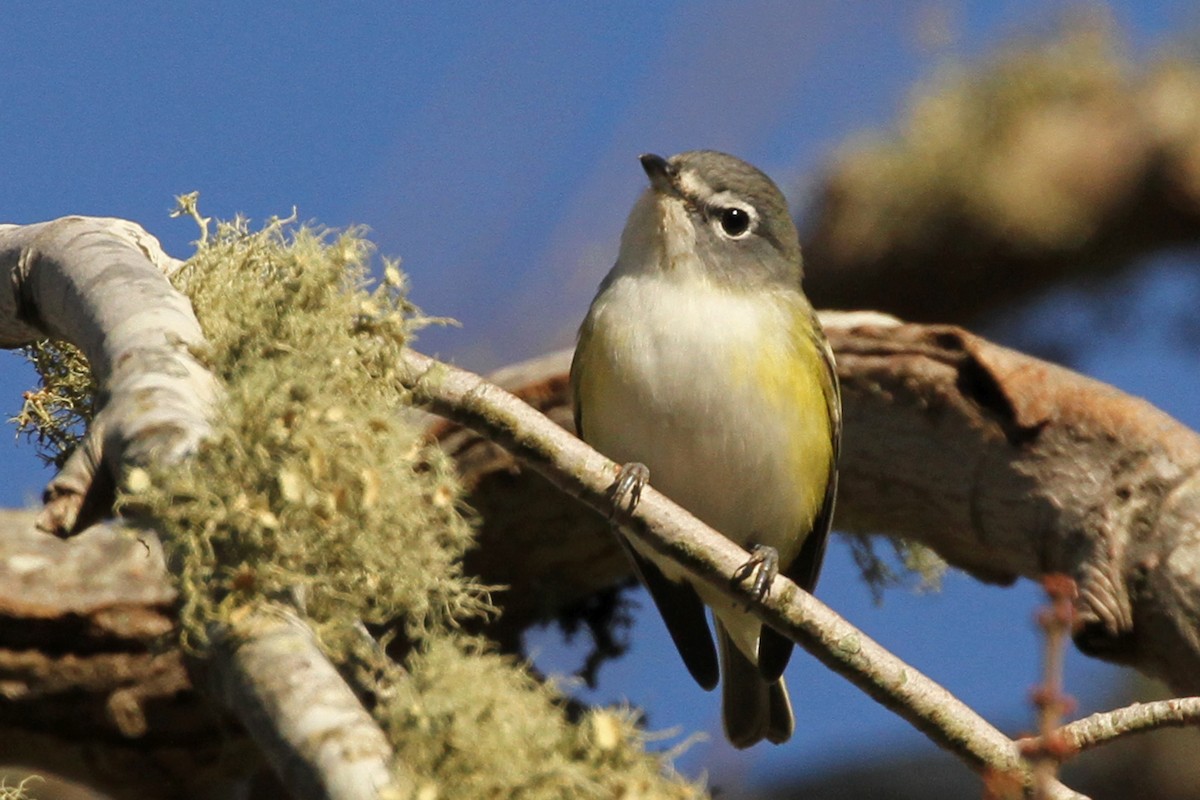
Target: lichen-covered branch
(89,679)
(101,285)
(304,717)
(311,496)
(1005,464)
(1054,159)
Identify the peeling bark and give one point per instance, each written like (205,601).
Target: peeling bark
(1006,465)
(579,471)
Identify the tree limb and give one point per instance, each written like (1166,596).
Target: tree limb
(303,716)
(1009,466)
(1005,465)
(582,473)
(101,284)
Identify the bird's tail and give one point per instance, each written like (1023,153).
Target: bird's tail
(751,708)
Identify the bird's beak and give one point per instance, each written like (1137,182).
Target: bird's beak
(662,175)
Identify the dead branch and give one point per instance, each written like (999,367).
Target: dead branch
(101,285)
(1009,466)
(1005,464)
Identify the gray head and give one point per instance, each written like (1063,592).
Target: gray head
(713,213)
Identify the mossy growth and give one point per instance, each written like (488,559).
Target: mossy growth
(496,732)
(19,791)
(317,492)
(988,144)
(909,564)
(55,415)
(313,489)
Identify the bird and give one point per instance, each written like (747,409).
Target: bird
(702,367)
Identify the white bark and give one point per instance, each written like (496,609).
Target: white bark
(300,712)
(101,284)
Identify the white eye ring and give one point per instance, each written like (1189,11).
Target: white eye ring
(734,222)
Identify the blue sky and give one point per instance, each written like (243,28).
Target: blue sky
(493,147)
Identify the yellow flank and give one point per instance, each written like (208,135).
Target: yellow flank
(591,380)
(791,377)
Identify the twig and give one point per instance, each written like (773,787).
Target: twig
(585,474)
(1050,749)
(1107,726)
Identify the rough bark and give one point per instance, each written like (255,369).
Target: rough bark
(1005,464)
(581,472)
(91,684)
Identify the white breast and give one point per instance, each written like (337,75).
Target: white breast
(678,391)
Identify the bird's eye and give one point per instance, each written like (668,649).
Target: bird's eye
(735,222)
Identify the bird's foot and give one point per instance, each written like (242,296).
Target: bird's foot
(763,564)
(627,491)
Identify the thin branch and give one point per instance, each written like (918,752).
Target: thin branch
(1007,466)
(1050,749)
(585,474)
(1108,726)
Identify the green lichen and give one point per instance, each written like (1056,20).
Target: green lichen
(55,415)
(477,723)
(909,565)
(313,489)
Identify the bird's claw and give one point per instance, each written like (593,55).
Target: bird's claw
(763,564)
(627,491)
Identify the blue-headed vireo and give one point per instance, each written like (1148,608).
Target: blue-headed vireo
(702,359)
